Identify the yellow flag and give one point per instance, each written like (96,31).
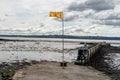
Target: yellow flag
(56,14)
(52,14)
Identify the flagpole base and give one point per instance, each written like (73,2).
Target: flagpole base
(63,64)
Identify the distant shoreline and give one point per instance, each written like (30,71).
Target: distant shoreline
(65,36)
(66,40)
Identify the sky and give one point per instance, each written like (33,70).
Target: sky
(82,17)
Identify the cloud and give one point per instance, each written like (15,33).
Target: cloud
(92,9)
(113,14)
(102,12)
(77,6)
(113,23)
(32,17)
(97,5)
(92,28)
(108,17)
(71,17)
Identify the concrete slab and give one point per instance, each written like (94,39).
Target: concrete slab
(52,71)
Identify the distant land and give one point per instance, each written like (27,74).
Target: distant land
(65,36)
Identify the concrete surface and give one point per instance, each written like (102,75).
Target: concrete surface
(52,71)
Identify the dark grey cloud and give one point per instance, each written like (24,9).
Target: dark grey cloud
(115,23)
(74,6)
(97,5)
(113,16)
(71,17)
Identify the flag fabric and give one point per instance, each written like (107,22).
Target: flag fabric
(56,14)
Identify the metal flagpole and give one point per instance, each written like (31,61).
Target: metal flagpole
(63,37)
